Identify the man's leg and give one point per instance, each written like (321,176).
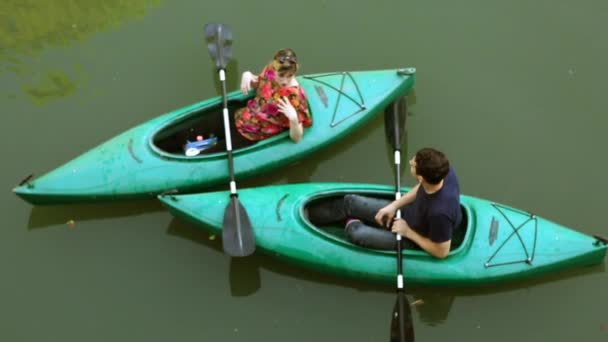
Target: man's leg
(367,233)
(338,209)
(326,211)
(363,207)
(363,235)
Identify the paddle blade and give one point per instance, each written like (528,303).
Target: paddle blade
(394,122)
(237,234)
(402,327)
(219,43)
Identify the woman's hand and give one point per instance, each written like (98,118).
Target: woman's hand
(287,109)
(246,81)
(384,216)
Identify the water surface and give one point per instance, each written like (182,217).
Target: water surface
(513,92)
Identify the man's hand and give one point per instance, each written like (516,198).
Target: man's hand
(384,216)
(401,227)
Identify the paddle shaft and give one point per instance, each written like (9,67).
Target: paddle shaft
(398,111)
(237,233)
(233,191)
(400,294)
(398,216)
(222,75)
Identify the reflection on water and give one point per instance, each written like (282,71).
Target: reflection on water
(27,27)
(54,84)
(244,277)
(248,268)
(47,216)
(431,305)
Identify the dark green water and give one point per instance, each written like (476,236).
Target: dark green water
(512,91)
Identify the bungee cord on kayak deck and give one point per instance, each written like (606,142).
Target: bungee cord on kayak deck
(341,93)
(531,217)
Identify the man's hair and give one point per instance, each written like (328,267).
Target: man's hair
(432,165)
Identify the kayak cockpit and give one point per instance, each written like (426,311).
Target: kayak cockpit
(202,128)
(320,213)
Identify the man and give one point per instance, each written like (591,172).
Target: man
(430,210)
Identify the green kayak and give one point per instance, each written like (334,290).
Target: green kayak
(150,158)
(496,243)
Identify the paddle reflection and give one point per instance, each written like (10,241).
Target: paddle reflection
(244,277)
(244,273)
(432,307)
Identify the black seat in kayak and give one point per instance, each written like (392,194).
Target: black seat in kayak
(206,122)
(327,214)
(460,231)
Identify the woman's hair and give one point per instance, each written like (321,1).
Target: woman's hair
(285,62)
(432,165)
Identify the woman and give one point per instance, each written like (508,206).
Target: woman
(279,104)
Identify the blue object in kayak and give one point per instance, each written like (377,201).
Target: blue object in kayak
(195,147)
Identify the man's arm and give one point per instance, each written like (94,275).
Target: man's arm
(408,198)
(437,249)
(387,213)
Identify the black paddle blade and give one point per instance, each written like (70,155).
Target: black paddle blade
(219,43)
(402,327)
(394,122)
(237,234)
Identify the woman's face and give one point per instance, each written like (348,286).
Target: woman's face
(285,63)
(283,80)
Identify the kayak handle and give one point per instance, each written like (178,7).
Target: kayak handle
(170,193)
(406,71)
(600,239)
(26,180)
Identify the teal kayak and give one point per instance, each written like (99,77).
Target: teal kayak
(150,158)
(496,243)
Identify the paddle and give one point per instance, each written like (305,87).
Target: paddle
(237,233)
(402,328)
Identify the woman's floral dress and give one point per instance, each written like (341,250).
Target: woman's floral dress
(261,118)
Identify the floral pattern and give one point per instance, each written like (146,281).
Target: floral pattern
(261,118)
